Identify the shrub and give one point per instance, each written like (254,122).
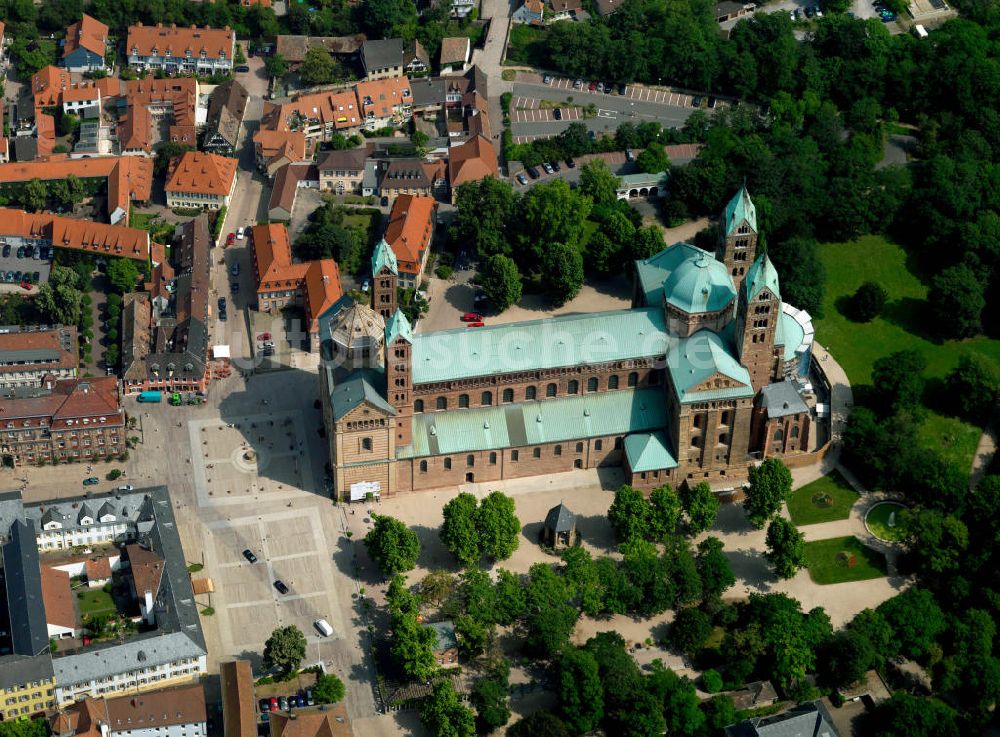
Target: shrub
(443,272)
(868,302)
(711,681)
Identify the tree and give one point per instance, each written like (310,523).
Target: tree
(392,545)
(563,269)
(386,18)
(472,635)
(489,696)
(846,658)
(444,715)
(498,527)
(719,713)
(554,210)
(770,485)
(550,617)
(165,152)
(678,701)
(68,123)
(916,621)
(700,505)
(539,724)
(328,689)
(898,380)
(956,298)
(713,567)
(436,587)
(276,66)
(123,274)
(598,183)
(603,254)
(648,241)
(937,541)
(581,695)
(904,715)
(284,650)
(458,532)
(419,140)
(484,215)
(786,549)
(629,514)
(868,302)
(25,728)
(318,67)
(665,511)
(653,160)
(974,384)
(689,630)
(583,574)
(35,195)
(501,281)
(412,646)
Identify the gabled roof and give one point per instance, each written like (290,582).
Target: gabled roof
(155,709)
(702,358)
(408,232)
(58,597)
(471,161)
(226,107)
(649,452)
(398,328)
(203,173)
(147,569)
(22,576)
(782,399)
(382,53)
(88,33)
(352,159)
(455,50)
(738,209)
(322,289)
(215,42)
(294,48)
(383,257)
(560,519)
(360,387)
(236,683)
(333,722)
(805,720)
(762,275)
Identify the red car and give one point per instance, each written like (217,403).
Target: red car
(472,317)
(264,336)
(230,239)
(593,86)
(475,324)
(274,703)
(26,285)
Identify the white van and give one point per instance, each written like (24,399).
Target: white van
(323,627)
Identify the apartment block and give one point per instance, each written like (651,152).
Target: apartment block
(29,353)
(175,50)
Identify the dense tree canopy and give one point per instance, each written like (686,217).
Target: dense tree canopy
(392,545)
(770,485)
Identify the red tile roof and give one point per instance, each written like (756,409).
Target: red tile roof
(147,569)
(58,598)
(471,161)
(236,682)
(323,288)
(178,41)
(88,33)
(156,709)
(409,230)
(52,340)
(203,173)
(98,569)
(47,85)
(80,235)
(379,97)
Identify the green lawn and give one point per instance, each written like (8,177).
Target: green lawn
(527,45)
(857,346)
(95,601)
(824,500)
(829,561)
(877,520)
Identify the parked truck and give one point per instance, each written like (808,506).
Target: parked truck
(150,397)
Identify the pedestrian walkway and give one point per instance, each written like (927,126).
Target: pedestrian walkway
(985,451)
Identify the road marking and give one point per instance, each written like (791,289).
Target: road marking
(607,114)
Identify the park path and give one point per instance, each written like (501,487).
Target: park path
(985,451)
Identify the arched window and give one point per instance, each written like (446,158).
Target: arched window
(423,466)
(558,450)
(613,381)
(592,384)
(508,395)
(598,444)
(724,418)
(418,405)
(531,392)
(779,435)
(537,452)
(795,431)
(463,401)
(442,402)
(486,399)
(366,443)
(633,379)
(447,464)
(514,455)
(574,387)
(550,390)
(470,460)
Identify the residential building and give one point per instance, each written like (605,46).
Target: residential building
(174,50)
(462,8)
(331,722)
(384,102)
(754,695)
(60,611)
(165,332)
(341,172)
(78,98)
(413,177)
(806,719)
(530,12)
(456,53)
(293,48)
(29,353)
(471,161)
(226,107)
(40,229)
(86,45)
(562,10)
(315,285)
(274,149)
(146,101)
(409,233)
(665,389)
(730,10)
(64,418)
(393,57)
(318,116)
(129,178)
(445,644)
(239,715)
(197,179)
(462,99)
(287,182)
(26,676)
(170,712)
(47,85)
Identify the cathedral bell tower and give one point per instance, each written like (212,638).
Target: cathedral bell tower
(385,276)
(399,374)
(738,242)
(757,315)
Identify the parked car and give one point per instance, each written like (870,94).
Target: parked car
(230,239)
(280,586)
(578,84)
(274,703)
(91,481)
(282,703)
(6,251)
(240,231)
(521,179)
(548,167)
(600,86)
(35,276)
(819,12)
(264,336)
(696,101)
(309,697)
(570,163)
(629,155)
(555,166)
(300,700)
(592,86)
(479,298)
(222,304)
(622,88)
(235,270)
(265,705)
(557,113)
(711,102)
(472,317)
(126,487)
(546,79)
(17,276)
(365,285)
(533,172)
(29,251)
(268,351)
(223,316)
(20,252)
(44,251)
(475,324)
(248,554)
(234,287)
(25,285)
(809,12)
(243,69)
(609,88)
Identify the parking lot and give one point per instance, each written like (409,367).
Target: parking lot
(13,270)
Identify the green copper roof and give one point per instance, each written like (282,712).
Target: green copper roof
(398,327)
(361,386)
(649,452)
(534,423)
(384,257)
(740,208)
(789,335)
(762,275)
(700,284)
(696,360)
(568,340)
(655,270)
